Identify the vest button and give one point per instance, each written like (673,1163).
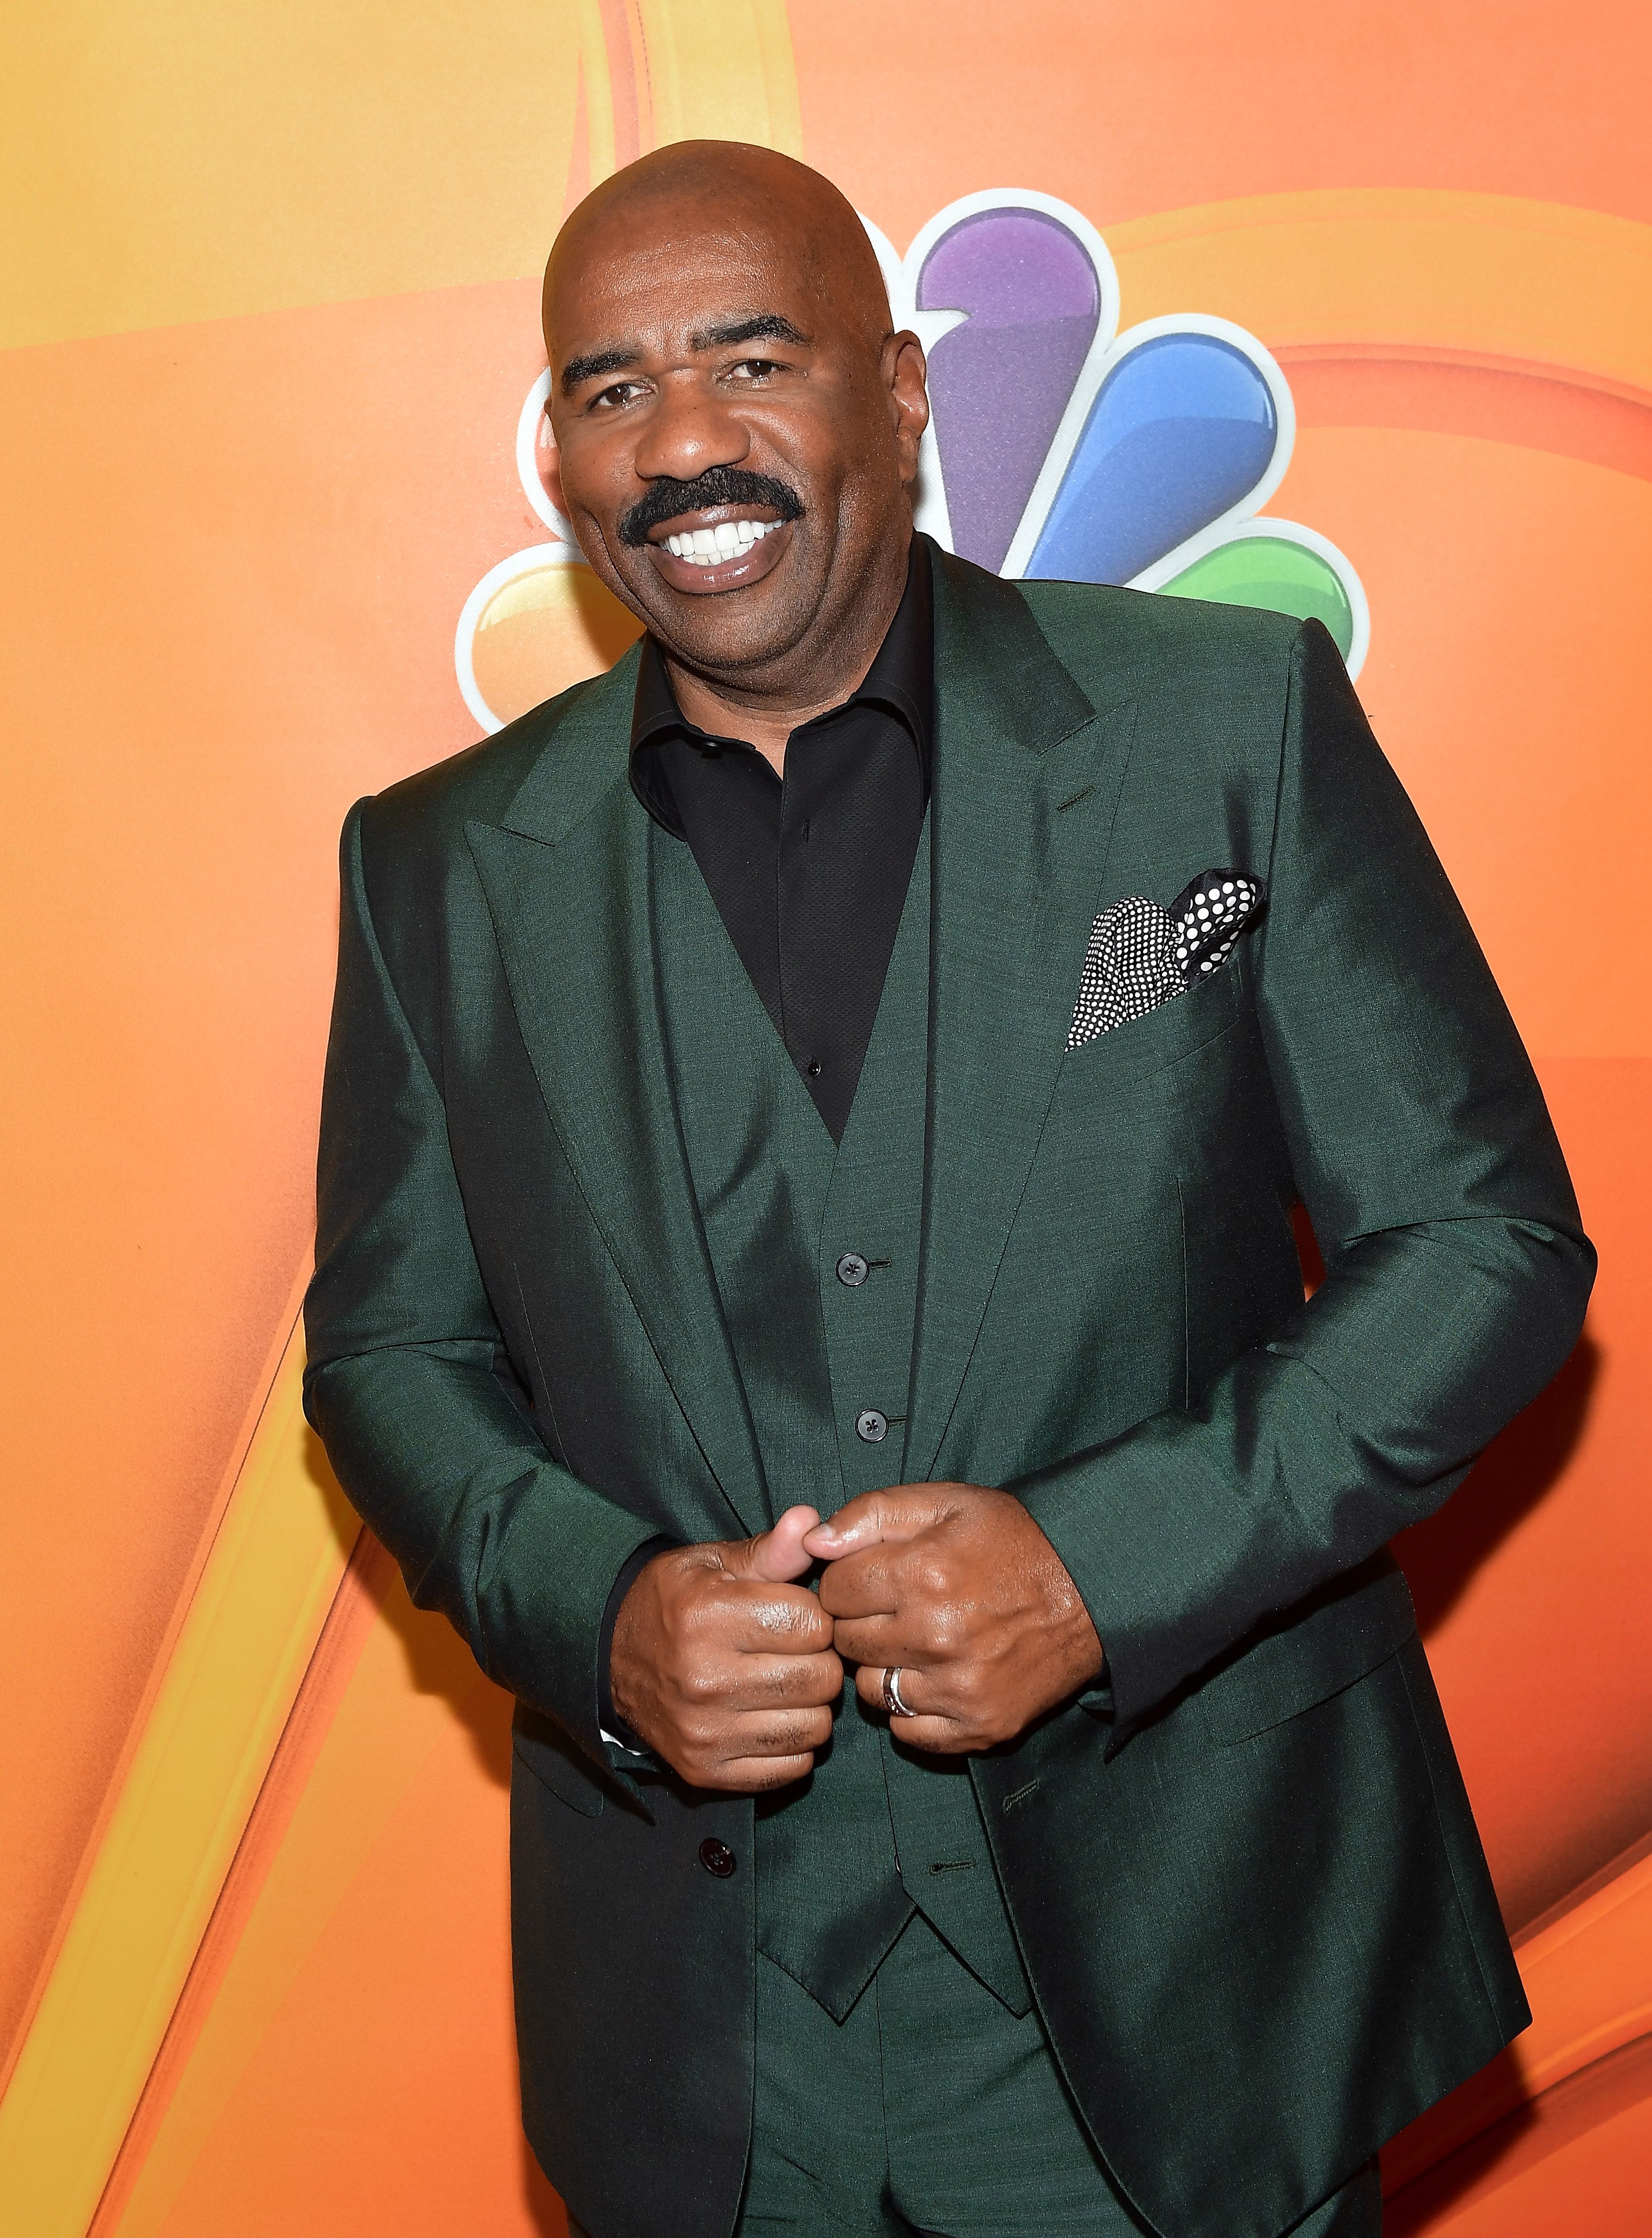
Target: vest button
(872,1426)
(851,1270)
(717,1858)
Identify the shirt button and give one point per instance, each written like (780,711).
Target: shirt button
(872,1426)
(851,1270)
(717,1858)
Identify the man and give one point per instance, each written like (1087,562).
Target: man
(857,1059)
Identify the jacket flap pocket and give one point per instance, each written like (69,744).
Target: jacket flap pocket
(541,1746)
(1355,1623)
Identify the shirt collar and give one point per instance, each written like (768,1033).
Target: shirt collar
(901,679)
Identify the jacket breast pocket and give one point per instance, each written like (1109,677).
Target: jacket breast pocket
(541,1746)
(1159,1038)
(1354,1623)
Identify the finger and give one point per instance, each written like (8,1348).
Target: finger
(777,1555)
(935,1735)
(875,1641)
(867,1584)
(761,1619)
(928,1727)
(755,1775)
(761,1682)
(778,1732)
(876,1517)
(922,1693)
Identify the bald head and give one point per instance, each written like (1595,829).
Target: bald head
(736,426)
(726,186)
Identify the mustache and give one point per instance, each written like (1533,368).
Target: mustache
(668,500)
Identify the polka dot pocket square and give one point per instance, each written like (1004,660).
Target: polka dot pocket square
(1141,955)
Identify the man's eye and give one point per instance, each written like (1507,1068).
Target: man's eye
(754,368)
(620,394)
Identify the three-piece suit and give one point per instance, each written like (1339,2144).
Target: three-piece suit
(579,1288)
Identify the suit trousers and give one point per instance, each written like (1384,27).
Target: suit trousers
(932,2111)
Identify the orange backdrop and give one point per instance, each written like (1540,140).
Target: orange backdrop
(269,322)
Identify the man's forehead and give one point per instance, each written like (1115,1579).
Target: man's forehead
(686,276)
(700,318)
(626,246)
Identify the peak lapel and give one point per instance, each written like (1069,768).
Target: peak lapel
(565,872)
(1018,863)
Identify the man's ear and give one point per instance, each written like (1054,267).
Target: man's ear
(550,464)
(904,373)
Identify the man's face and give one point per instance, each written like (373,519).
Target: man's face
(735,444)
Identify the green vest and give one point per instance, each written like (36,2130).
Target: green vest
(842,1858)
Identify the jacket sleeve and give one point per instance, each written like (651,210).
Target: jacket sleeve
(1458,1270)
(407,1382)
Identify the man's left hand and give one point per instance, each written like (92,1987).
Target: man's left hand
(957,1588)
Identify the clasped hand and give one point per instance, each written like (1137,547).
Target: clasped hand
(729,1669)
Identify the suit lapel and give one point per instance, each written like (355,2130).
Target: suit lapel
(1026,780)
(565,871)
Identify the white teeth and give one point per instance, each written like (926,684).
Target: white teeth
(708,547)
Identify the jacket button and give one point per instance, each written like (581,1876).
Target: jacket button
(851,1270)
(717,1858)
(872,1426)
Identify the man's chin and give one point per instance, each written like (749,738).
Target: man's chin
(745,628)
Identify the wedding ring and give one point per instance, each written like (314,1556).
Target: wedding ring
(892,1702)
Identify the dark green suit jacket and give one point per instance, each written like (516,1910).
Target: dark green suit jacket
(1244,1878)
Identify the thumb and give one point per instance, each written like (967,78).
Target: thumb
(775,1556)
(874,1519)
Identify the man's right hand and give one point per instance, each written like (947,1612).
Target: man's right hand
(724,1667)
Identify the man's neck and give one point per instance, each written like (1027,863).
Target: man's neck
(767,719)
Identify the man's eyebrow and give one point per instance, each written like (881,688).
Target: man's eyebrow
(594,362)
(768,326)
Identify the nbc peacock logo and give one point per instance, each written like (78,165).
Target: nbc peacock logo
(1059,447)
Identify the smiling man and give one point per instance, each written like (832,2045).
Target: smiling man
(857,1061)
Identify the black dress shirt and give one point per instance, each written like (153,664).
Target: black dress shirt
(810,872)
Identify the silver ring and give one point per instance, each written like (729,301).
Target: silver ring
(893,1701)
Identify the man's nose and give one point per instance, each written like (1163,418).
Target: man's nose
(690,429)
